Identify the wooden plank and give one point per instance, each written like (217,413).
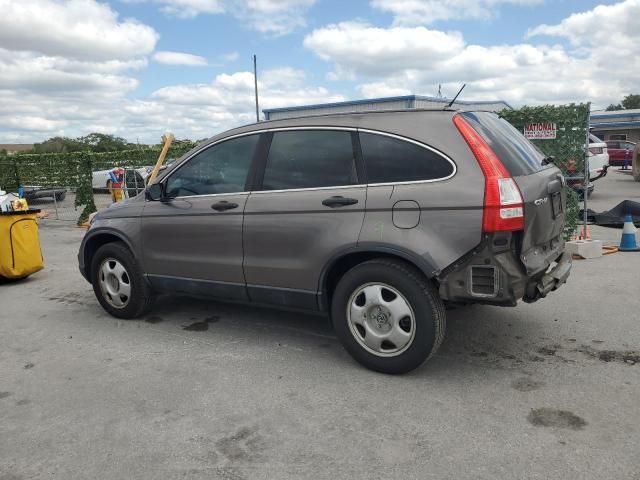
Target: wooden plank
(168,140)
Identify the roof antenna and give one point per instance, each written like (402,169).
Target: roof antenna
(457,94)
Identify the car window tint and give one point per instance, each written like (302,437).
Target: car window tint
(389,159)
(222,168)
(309,159)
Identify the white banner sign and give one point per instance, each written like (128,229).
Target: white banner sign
(540,130)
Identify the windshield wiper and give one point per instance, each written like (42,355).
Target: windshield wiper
(548,160)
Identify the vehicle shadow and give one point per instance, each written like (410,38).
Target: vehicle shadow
(477,336)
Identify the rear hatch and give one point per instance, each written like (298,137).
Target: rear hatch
(541,185)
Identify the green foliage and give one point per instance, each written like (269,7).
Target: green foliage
(568,148)
(94,142)
(84,192)
(59,145)
(572,214)
(75,169)
(99,142)
(631,101)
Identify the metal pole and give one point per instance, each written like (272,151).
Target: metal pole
(255,81)
(586,174)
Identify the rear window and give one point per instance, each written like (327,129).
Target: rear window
(518,154)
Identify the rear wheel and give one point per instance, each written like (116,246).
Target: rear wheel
(60,196)
(388,316)
(118,282)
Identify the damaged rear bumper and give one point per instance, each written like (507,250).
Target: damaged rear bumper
(494,274)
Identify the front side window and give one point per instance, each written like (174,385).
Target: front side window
(222,168)
(309,159)
(390,160)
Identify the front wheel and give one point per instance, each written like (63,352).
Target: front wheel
(118,282)
(388,316)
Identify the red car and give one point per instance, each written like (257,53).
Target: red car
(618,149)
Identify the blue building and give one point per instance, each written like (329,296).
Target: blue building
(616,125)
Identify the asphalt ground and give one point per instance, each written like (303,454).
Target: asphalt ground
(205,390)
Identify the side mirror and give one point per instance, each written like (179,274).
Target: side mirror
(154,192)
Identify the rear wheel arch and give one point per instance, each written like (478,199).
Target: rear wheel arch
(342,263)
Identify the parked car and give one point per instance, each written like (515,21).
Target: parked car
(378,219)
(598,157)
(33,192)
(618,149)
(101,179)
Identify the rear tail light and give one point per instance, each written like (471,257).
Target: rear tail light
(503,203)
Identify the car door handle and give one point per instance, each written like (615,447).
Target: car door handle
(338,201)
(224,205)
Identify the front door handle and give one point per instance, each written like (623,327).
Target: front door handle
(338,201)
(224,205)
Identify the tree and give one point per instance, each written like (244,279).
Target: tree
(100,142)
(629,102)
(59,145)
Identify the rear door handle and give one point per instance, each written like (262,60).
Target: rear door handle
(338,201)
(224,205)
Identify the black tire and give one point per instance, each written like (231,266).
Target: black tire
(60,196)
(419,293)
(141,297)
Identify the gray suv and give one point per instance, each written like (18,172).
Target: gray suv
(378,219)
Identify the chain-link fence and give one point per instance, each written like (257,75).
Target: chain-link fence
(562,135)
(70,186)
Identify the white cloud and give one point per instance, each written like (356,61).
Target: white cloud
(387,61)
(607,27)
(365,49)
(190,8)
(271,17)
(274,17)
(80,29)
(425,12)
(187,110)
(179,58)
(230,57)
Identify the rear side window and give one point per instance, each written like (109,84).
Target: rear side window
(516,153)
(310,159)
(389,160)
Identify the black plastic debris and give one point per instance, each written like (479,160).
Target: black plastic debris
(614,218)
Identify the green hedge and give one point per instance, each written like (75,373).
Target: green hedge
(75,169)
(572,122)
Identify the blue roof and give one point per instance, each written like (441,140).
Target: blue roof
(406,98)
(616,114)
(605,125)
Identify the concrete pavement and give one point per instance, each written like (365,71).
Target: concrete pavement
(205,390)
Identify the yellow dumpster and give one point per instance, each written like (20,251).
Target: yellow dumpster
(20,253)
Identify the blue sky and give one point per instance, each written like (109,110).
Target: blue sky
(140,67)
(213,36)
